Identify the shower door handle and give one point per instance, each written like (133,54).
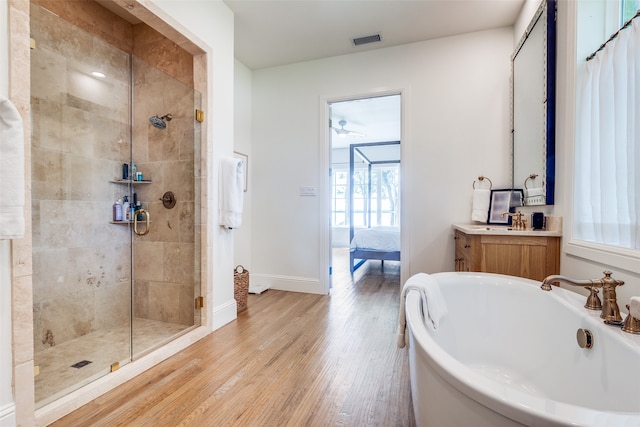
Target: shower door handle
(147,222)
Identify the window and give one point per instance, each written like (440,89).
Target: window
(340,193)
(375,203)
(629,9)
(607,156)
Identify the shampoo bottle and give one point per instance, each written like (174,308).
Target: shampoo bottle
(126,211)
(138,208)
(117,210)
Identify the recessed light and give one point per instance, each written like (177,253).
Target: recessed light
(98,74)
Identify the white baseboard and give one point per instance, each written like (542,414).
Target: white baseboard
(224,314)
(8,416)
(287,283)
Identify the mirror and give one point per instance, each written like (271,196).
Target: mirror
(533,66)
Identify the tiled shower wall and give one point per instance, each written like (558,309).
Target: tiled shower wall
(81,271)
(81,261)
(165,260)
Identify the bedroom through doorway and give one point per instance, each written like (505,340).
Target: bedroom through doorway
(365,159)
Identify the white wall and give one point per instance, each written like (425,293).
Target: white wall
(529,8)
(242,144)
(456,127)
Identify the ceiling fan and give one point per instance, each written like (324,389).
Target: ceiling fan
(342,132)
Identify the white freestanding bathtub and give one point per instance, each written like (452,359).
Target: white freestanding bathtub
(506,354)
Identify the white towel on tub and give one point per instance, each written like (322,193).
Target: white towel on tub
(12,182)
(434,307)
(231,192)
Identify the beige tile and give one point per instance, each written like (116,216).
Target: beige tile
(149,264)
(166,225)
(163,301)
(186,298)
(141,298)
(102,348)
(180,174)
(24,392)
(178,262)
(187,221)
(113,306)
(22,320)
(21,250)
(47,177)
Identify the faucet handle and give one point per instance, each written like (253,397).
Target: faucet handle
(593,300)
(631,324)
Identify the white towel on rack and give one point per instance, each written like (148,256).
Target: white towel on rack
(231,198)
(480,205)
(12,182)
(434,307)
(534,196)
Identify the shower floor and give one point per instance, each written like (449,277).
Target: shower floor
(57,377)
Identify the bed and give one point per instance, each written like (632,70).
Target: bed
(372,243)
(378,243)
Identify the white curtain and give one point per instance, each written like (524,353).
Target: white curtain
(607,158)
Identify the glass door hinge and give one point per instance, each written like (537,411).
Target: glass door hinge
(199,302)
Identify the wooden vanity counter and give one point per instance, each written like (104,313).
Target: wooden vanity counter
(495,249)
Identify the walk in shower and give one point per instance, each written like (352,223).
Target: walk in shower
(108,289)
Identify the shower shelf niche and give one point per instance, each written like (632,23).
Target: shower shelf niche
(129,181)
(123,222)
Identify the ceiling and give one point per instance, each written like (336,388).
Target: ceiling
(269,33)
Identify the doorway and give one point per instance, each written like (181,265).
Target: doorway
(365,159)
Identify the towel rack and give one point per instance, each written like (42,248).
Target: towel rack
(531,177)
(482,178)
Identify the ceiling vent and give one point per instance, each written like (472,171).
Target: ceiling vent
(366,39)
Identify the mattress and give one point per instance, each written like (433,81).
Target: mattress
(384,239)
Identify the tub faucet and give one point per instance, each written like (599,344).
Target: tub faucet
(610,309)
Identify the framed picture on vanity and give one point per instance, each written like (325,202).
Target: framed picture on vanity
(502,201)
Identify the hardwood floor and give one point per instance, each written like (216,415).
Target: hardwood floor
(290,359)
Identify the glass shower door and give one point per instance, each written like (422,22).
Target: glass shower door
(81,259)
(107,288)
(165,150)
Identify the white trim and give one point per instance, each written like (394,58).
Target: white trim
(610,256)
(325,179)
(8,415)
(324,201)
(289,283)
(622,258)
(223,314)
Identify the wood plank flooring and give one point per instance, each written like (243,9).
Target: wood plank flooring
(290,359)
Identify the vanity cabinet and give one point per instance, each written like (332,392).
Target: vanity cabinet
(533,257)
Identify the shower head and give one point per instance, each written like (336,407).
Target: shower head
(160,122)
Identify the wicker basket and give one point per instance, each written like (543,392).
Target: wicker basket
(241,286)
